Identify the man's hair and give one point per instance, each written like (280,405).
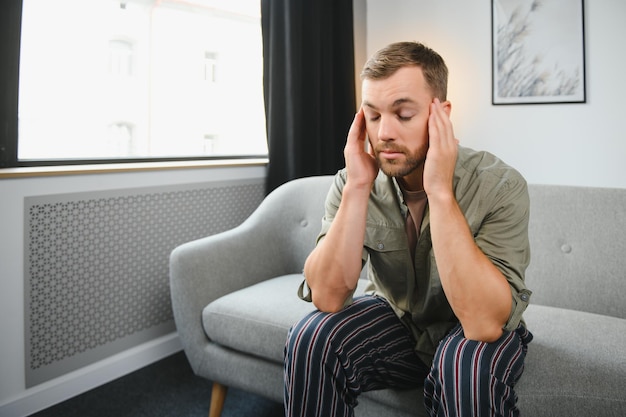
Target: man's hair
(391,58)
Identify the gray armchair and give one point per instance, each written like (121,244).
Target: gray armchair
(234,296)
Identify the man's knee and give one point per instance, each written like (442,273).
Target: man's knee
(480,370)
(458,354)
(321,334)
(305,335)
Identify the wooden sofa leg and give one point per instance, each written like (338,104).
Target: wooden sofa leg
(218,396)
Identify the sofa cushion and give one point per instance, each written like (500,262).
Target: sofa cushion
(576,358)
(256,319)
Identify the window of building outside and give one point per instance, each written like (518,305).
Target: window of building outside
(104,79)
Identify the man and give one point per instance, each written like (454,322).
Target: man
(445,230)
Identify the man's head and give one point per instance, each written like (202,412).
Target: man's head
(400,83)
(391,58)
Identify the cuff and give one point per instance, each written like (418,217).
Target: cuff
(520,302)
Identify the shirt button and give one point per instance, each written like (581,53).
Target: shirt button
(524,297)
(381,246)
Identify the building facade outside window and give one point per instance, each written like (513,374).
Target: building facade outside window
(140,79)
(121,56)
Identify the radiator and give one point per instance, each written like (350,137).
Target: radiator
(96,266)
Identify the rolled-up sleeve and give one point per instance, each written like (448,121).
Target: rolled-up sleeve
(503,238)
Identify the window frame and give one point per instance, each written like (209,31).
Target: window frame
(10,31)
(10,42)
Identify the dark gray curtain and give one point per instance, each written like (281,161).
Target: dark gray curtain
(308,53)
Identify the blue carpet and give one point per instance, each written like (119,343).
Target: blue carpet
(167,388)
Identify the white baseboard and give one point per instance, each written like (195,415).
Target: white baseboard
(67,386)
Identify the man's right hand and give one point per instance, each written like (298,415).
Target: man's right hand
(360,163)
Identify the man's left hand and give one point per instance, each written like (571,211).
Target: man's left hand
(442,151)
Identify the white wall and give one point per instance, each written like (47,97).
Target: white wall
(571,144)
(15,400)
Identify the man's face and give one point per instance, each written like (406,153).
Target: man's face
(396,118)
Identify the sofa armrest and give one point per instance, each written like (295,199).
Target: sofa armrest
(204,270)
(273,241)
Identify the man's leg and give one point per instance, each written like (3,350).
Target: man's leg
(331,358)
(470,378)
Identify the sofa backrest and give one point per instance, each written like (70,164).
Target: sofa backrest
(578,248)
(577,237)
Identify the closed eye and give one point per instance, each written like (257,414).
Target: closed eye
(405,113)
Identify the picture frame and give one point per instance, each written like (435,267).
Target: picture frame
(538,51)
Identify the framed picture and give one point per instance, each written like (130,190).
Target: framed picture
(538,51)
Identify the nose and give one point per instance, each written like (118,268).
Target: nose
(386,129)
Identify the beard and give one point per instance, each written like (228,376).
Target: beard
(404,166)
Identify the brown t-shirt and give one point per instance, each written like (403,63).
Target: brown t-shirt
(416,203)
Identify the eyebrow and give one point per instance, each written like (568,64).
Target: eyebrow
(396,103)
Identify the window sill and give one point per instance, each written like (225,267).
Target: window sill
(49,171)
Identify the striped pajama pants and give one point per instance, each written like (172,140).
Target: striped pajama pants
(331,358)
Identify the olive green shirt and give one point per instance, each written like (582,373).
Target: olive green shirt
(494,199)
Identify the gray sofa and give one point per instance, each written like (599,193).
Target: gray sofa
(234,298)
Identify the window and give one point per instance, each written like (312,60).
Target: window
(103,80)
(121,58)
(210,67)
(120,141)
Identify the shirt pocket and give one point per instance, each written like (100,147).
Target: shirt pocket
(385,239)
(390,261)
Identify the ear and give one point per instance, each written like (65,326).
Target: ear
(447,107)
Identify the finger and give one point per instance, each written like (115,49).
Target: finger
(355,143)
(437,114)
(357,129)
(434,124)
(370,148)
(441,124)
